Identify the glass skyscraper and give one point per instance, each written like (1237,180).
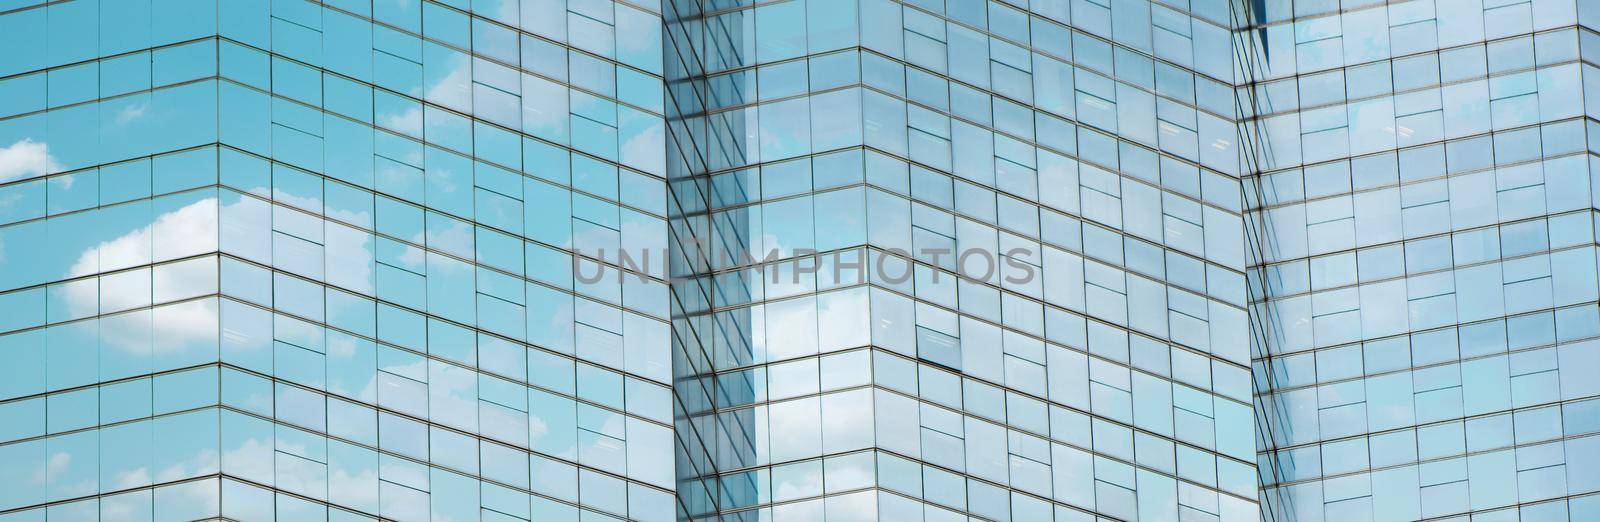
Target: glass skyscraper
(1422,214)
(311,261)
(835,260)
(1002,262)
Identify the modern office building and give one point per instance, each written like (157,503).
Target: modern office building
(835,260)
(315,261)
(1422,215)
(1006,273)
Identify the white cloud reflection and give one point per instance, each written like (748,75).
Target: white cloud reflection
(26,159)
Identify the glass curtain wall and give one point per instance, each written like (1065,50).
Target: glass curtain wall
(1422,278)
(798,260)
(937,260)
(306,261)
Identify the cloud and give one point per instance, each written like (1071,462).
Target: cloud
(845,320)
(409,122)
(178,328)
(806,483)
(299,475)
(26,159)
(84,486)
(310,203)
(545,107)
(59,462)
(795,429)
(453,90)
(134,478)
(196,497)
(202,462)
(345,347)
(127,506)
(132,112)
(791,328)
(453,395)
(537,428)
(190,229)
(456,238)
(65,182)
(360,489)
(644,150)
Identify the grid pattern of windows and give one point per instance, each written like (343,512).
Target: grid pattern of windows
(938,260)
(797,260)
(313,261)
(1423,281)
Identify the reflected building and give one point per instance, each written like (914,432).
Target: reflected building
(842,260)
(941,260)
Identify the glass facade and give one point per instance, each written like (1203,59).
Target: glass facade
(842,260)
(1421,206)
(940,260)
(313,261)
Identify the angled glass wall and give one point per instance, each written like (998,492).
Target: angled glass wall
(305,261)
(839,260)
(1423,287)
(968,259)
